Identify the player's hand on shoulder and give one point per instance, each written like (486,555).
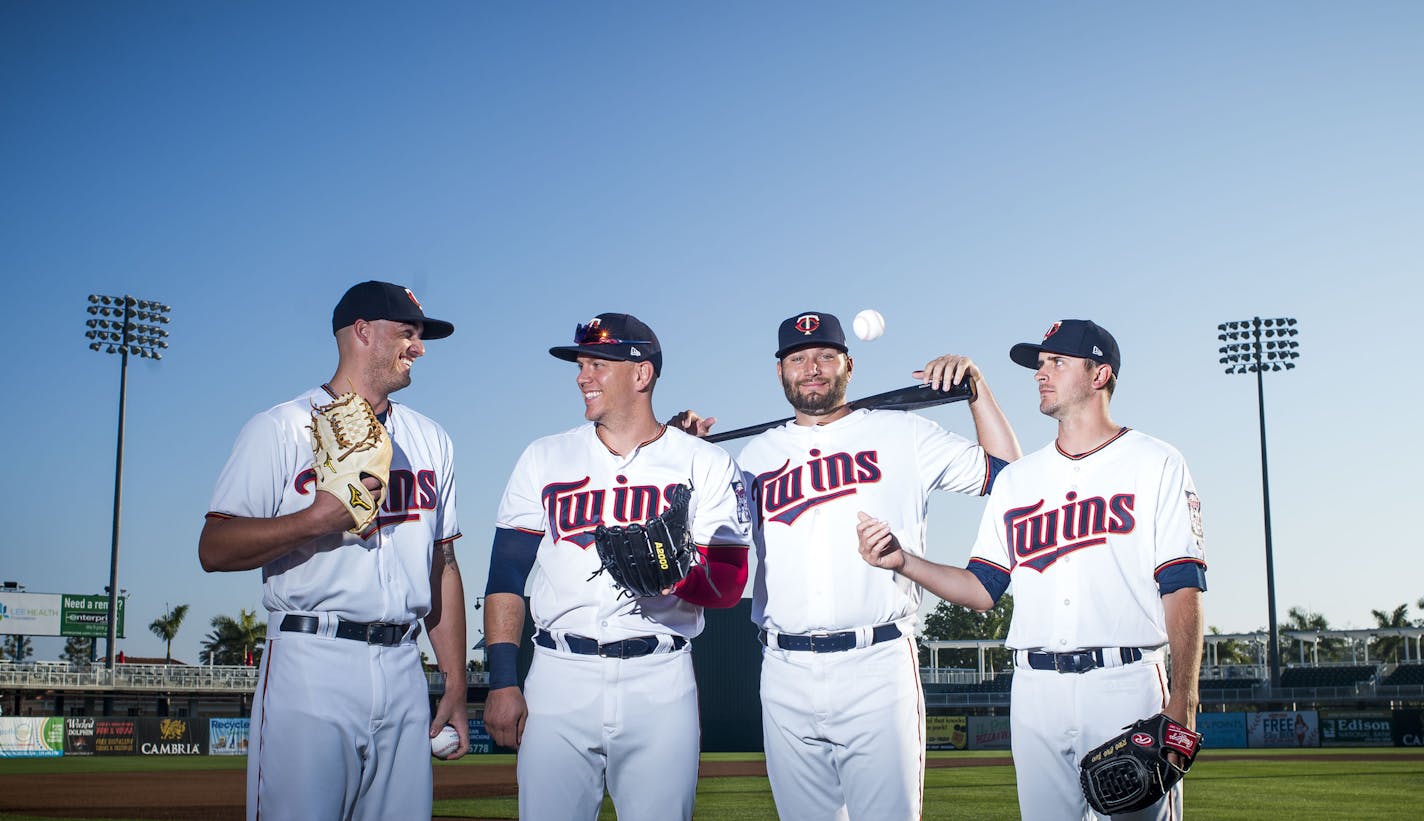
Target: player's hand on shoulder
(878,545)
(505,713)
(690,422)
(945,371)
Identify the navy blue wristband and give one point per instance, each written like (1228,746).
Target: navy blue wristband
(503,664)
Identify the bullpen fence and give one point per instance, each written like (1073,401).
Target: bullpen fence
(36,737)
(32,737)
(167,678)
(1280,729)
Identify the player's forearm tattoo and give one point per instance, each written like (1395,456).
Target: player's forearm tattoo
(447,557)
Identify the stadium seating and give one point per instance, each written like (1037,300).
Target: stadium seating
(1342,676)
(1001,684)
(1405,675)
(1207,685)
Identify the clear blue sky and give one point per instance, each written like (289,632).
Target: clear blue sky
(975,171)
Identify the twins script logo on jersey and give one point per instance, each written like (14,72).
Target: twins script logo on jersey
(1038,539)
(407,493)
(787,492)
(574,510)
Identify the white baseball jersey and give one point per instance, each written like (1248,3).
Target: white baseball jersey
(382,578)
(844,731)
(365,754)
(1083,538)
(809,482)
(598,722)
(1086,539)
(567,484)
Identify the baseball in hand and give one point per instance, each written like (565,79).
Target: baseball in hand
(446,743)
(869,324)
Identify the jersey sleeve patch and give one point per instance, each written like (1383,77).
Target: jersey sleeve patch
(739,490)
(511,559)
(994,578)
(1179,574)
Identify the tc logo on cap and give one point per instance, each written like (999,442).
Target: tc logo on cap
(808,323)
(1053,330)
(413,299)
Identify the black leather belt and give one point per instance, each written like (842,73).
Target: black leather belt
(386,635)
(1081,661)
(625,649)
(830,642)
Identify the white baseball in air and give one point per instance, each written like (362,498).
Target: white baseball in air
(869,324)
(445,743)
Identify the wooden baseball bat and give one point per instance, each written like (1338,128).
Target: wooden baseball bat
(910,397)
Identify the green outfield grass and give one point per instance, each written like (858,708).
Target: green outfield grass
(1229,785)
(1248,786)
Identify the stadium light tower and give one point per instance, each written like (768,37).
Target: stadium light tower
(123,325)
(1258,345)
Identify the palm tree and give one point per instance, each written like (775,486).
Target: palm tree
(235,641)
(78,650)
(19,648)
(1388,647)
(1230,651)
(1301,619)
(166,627)
(951,622)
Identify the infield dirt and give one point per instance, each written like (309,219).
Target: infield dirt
(217,795)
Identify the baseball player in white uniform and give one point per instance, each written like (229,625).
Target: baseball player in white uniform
(842,707)
(1100,533)
(610,701)
(341,720)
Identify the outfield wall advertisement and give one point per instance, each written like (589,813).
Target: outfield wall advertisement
(228,736)
(171,736)
(988,732)
(114,736)
(57,614)
(1221,731)
(946,733)
(31,737)
(1356,728)
(79,735)
(1283,728)
(480,741)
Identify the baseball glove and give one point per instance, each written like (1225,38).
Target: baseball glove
(1131,771)
(350,443)
(646,559)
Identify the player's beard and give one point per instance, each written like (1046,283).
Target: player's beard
(391,378)
(1063,401)
(817,404)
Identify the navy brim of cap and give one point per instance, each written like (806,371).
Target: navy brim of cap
(790,349)
(571,353)
(435,329)
(1026,354)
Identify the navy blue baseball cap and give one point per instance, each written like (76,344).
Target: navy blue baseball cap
(620,337)
(1071,337)
(383,300)
(812,328)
